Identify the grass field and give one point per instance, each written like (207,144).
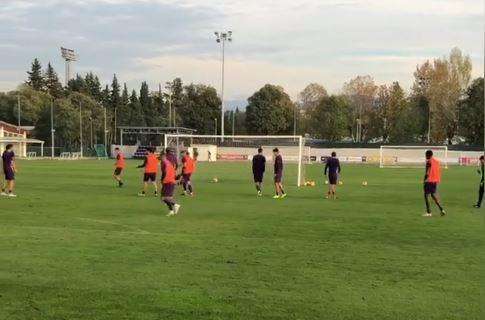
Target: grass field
(73,246)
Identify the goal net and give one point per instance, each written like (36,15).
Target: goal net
(215,148)
(410,156)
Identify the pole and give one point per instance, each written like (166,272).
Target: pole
(429,124)
(81,128)
(484,101)
(91,131)
(52,129)
(114,134)
(18,107)
(170,109)
(222,88)
(215,127)
(105,133)
(233,120)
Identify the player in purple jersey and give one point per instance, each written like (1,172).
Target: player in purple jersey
(333,168)
(9,170)
(278,175)
(259,166)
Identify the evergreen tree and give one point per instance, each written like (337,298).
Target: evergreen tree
(136,114)
(115,93)
(147,105)
(77,84)
(124,112)
(35,79)
(106,96)
(52,84)
(93,86)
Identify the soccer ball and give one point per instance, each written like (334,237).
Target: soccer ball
(326,181)
(364,183)
(215,180)
(340,183)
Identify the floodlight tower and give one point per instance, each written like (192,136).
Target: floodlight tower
(69,55)
(222,37)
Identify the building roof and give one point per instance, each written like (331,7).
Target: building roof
(14,128)
(19,139)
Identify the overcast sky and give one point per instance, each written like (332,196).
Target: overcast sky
(290,43)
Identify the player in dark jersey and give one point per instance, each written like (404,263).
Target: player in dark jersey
(9,170)
(333,168)
(168,181)
(259,166)
(481,171)
(278,175)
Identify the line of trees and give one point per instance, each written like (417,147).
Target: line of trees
(443,106)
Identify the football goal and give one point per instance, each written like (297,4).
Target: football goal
(410,156)
(215,148)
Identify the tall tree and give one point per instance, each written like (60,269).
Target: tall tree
(471,114)
(35,78)
(52,83)
(310,97)
(149,113)
(328,118)
(136,118)
(175,99)
(124,112)
(361,92)
(270,111)
(77,84)
(115,93)
(200,108)
(93,86)
(443,82)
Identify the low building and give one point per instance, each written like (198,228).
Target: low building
(18,136)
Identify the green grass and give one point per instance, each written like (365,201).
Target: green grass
(72,246)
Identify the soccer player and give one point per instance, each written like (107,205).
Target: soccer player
(259,166)
(278,175)
(169,173)
(188,169)
(333,168)
(119,166)
(151,167)
(170,156)
(9,170)
(481,171)
(432,178)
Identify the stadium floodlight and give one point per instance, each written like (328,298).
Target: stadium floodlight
(69,56)
(222,37)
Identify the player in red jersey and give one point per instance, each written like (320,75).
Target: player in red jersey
(189,166)
(119,166)
(151,168)
(432,178)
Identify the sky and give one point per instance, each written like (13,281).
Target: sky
(282,42)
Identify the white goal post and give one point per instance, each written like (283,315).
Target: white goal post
(410,156)
(241,148)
